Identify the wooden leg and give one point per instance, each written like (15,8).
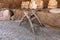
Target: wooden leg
(38,19)
(22,19)
(30,22)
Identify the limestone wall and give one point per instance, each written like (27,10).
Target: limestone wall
(17,3)
(46,3)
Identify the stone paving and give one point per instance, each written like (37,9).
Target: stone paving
(10,30)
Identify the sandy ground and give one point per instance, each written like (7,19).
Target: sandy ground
(10,30)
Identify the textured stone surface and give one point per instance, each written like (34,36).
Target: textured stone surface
(10,30)
(17,3)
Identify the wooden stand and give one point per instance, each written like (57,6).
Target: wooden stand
(27,15)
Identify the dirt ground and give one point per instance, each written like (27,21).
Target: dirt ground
(10,30)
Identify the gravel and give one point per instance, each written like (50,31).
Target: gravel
(10,30)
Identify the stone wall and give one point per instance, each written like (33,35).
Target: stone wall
(58,3)
(46,3)
(10,3)
(17,3)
